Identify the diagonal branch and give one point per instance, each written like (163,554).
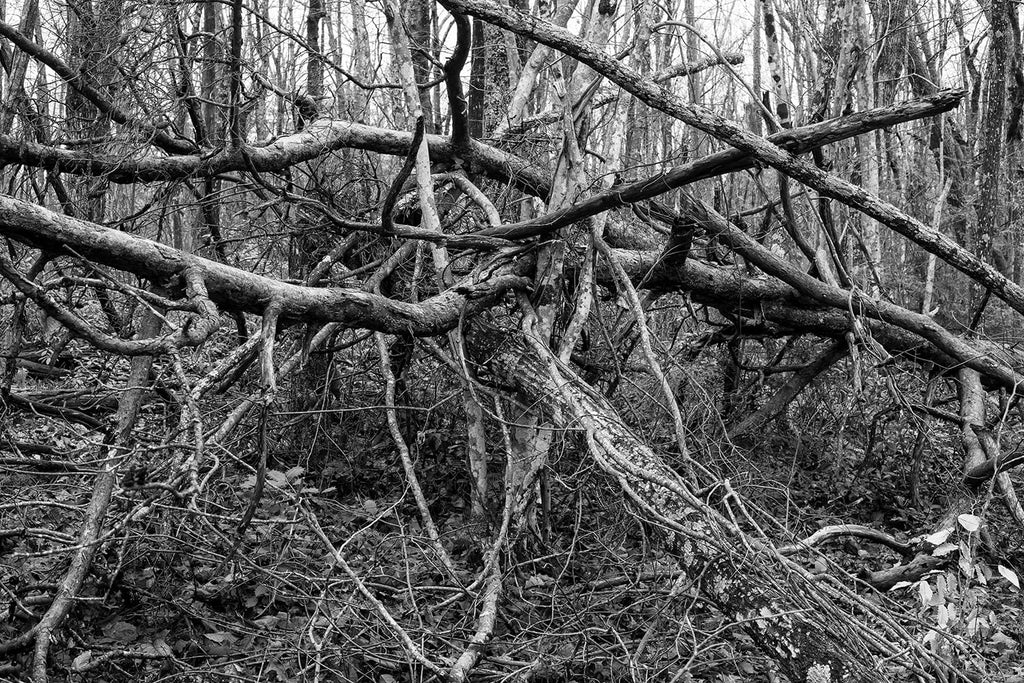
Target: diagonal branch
(795,140)
(716,125)
(790,390)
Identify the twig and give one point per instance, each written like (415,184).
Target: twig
(403,636)
(406,457)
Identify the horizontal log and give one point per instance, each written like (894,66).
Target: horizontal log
(769,300)
(315,140)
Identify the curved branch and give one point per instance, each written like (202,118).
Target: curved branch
(828,533)
(977,475)
(234,289)
(315,140)
(101,340)
(453,82)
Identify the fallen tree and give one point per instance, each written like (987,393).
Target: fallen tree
(761,149)
(234,289)
(800,623)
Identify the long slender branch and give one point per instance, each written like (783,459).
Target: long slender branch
(795,140)
(410,646)
(690,68)
(406,457)
(269,382)
(324,136)
(387,210)
(847,531)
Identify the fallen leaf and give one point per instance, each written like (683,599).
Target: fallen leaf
(969,522)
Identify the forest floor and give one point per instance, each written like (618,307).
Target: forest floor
(589,592)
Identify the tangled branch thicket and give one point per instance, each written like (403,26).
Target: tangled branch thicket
(589,591)
(401,341)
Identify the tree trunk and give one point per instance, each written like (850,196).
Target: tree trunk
(990,196)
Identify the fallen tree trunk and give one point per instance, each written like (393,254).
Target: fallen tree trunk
(794,620)
(768,300)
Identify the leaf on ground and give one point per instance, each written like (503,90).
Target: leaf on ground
(1002,642)
(81,660)
(277,478)
(970,523)
(1009,575)
(121,631)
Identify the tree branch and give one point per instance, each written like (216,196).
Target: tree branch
(315,140)
(457,101)
(234,289)
(735,293)
(795,140)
